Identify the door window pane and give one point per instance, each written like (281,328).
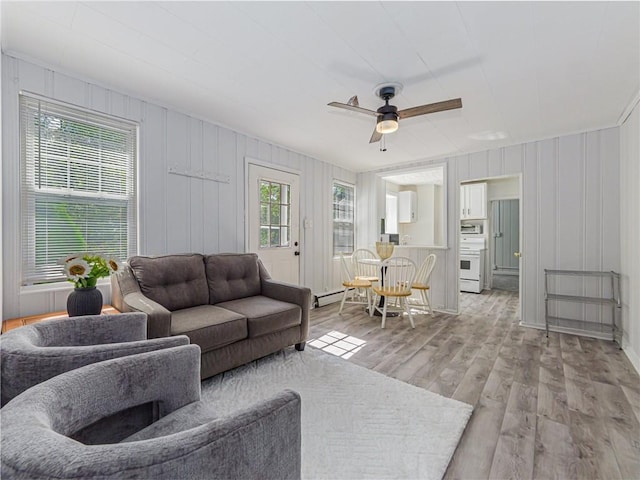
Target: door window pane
(275,219)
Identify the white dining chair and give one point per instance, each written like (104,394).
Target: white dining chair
(366,265)
(358,288)
(422,283)
(398,274)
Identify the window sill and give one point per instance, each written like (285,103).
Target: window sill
(57,287)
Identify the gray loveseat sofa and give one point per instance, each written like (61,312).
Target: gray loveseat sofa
(225,303)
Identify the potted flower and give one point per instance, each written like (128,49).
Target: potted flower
(84,270)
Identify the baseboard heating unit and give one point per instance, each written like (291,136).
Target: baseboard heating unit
(325,298)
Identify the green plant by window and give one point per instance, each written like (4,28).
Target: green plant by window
(84,270)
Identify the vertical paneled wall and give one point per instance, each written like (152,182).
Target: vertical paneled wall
(570,205)
(630,233)
(176,213)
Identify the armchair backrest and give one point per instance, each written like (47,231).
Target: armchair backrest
(39,427)
(35,353)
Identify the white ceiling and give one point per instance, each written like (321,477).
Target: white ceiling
(434,175)
(524,70)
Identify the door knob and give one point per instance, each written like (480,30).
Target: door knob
(296,253)
(517,254)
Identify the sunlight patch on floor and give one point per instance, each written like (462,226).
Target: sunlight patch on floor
(338,344)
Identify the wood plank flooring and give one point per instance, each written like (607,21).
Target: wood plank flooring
(566,407)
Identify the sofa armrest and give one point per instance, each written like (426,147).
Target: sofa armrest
(126,296)
(286,292)
(263,441)
(158,317)
(69,402)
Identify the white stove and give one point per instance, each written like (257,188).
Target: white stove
(472,249)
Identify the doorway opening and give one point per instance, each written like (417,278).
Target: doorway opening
(504,245)
(490,240)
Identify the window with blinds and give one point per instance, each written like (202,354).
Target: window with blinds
(78,187)
(343,218)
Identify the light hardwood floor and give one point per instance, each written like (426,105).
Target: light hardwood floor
(566,407)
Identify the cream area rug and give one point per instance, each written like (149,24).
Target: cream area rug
(356,423)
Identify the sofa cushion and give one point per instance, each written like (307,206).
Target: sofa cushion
(209,326)
(232,276)
(265,315)
(174,281)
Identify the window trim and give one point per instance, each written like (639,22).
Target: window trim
(333,221)
(28,194)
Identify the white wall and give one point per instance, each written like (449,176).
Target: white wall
(630,233)
(177,214)
(503,188)
(570,202)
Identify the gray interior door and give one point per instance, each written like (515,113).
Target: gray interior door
(506,240)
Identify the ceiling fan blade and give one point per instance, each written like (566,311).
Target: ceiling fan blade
(375,136)
(353,108)
(431,108)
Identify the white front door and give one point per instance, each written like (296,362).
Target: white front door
(274,221)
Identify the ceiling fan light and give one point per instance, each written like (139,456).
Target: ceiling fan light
(387,123)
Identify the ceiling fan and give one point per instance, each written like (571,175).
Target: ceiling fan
(388,115)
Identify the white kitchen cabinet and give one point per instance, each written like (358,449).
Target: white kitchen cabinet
(407,204)
(473,201)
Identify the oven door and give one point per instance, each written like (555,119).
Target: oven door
(469,266)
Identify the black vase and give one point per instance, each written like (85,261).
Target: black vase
(84,301)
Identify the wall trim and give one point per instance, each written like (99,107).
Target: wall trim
(627,111)
(271,165)
(633,357)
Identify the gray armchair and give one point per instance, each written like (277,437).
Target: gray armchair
(35,353)
(188,441)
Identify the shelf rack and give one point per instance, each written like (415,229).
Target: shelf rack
(584,326)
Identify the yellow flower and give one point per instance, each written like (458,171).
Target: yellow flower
(113,265)
(76,269)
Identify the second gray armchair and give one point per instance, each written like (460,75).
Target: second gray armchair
(188,440)
(34,353)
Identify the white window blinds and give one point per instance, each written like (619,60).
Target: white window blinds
(78,187)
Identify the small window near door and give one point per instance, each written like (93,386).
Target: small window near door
(343,218)
(275,216)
